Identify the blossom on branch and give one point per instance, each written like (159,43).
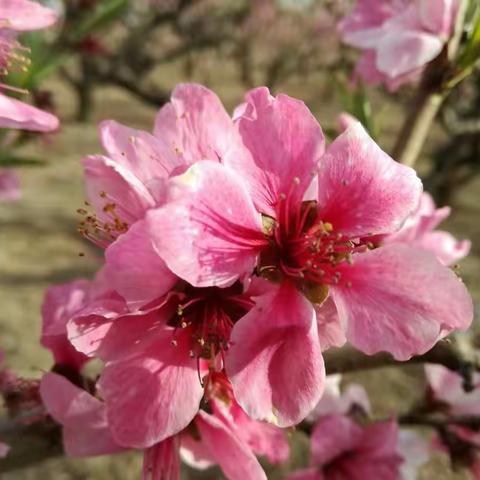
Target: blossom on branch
(398,38)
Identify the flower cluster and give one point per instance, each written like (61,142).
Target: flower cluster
(237,249)
(398,38)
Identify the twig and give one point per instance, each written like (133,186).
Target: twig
(433,90)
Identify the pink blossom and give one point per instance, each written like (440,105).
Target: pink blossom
(420,231)
(334,401)
(398,37)
(9,186)
(226,221)
(226,436)
(447,388)
(340,448)
(17,16)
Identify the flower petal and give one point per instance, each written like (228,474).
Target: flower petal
(16,114)
(109,183)
(331,333)
(195,126)
(135,269)
(332,436)
(234,457)
(153,395)
(285,142)
(275,362)
(162,461)
(361,190)
(24,15)
(210,233)
(59,306)
(445,246)
(396,301)
(83,417)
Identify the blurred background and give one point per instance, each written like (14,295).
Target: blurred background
(119,59)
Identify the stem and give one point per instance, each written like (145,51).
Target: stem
(417,126)
(433,90)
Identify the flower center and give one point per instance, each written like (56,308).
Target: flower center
(305,248)
(209,315)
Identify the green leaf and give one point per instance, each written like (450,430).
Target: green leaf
(12,161)
(105,12)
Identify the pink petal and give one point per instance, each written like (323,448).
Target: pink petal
(445,246)
(361,190)
(210,233)
(24,15)
(153,395)
(4,449)
(118,337)
(109,183)
(83,417)
(447,386)
(234,457)
(401,52)
(285,142)
(331,333)
(396,302)
(438,16)
(263,438)
(135,269)
(162,462)
(16,114)
(275,362)
(146,156)
(333,436)
(9,186)
(195,126)
(59,306)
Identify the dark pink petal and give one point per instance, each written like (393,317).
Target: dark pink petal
(210,233)
(107,183)
(83,417)
(60,304)
(233,456)
(24,15)
(285,142)
(275,361)
(135,269)
(361,190)
(195,126)
(16,114)
(162,462)
(401,300)
(333,436)
(153,395)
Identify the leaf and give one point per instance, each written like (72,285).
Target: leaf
(12,161)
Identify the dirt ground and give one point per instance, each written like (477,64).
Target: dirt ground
(39,247)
